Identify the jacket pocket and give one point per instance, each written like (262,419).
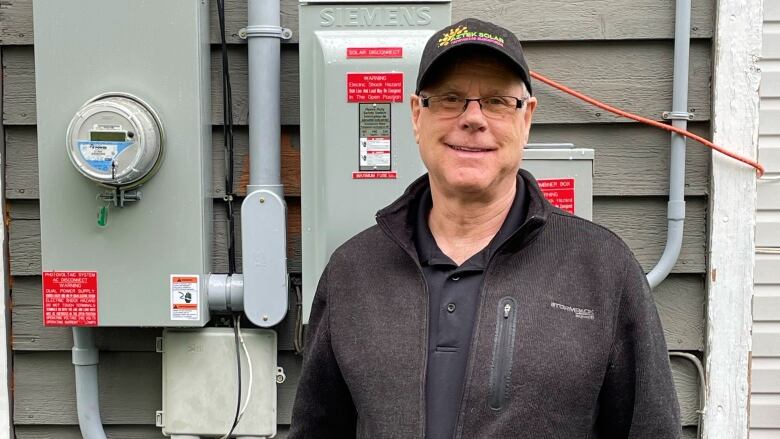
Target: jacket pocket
(503,351)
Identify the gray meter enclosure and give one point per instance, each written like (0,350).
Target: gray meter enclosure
(359,63)
(155,253)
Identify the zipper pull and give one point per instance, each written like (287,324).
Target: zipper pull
(507,308)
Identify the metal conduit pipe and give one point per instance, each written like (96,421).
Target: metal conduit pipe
(264,36)
(184,436)
(85,361)
(679,115)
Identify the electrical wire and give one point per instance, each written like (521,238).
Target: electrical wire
(227,127)
(663,126)
(768,250)
(702,381)
(249,365)
(236,333)
(298,336)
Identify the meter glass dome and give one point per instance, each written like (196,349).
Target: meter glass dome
(115,140)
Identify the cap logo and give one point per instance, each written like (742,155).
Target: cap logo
(461,34)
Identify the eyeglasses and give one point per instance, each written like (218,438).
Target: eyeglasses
(454,105)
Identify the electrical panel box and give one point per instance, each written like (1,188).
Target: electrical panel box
(358,64)
(199,392)
(124,153)
(564,174)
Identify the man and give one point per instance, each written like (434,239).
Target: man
(454,316)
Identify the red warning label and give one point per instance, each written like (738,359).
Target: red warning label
(70,298)
(559,191)
(374,175)
(375,87)
(375,52)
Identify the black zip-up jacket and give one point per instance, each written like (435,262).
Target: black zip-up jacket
(579,353)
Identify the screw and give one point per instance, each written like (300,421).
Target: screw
(265,318)
(262,200)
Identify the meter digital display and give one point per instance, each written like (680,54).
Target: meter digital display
(108,136)
(116,140)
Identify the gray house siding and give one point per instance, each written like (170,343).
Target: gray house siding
(618,51)
(765,373)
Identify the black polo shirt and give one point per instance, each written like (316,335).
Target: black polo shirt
(453,298)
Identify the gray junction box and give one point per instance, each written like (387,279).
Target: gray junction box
(148,265)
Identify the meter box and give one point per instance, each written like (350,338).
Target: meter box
(358,64)
(124,141)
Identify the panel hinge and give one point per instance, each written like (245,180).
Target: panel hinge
(158,419)
(158,345)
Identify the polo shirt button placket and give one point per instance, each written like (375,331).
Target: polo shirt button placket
(451,308)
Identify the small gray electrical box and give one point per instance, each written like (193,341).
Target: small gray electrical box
(359,62)
(564,174)
(124,155)
(199,382)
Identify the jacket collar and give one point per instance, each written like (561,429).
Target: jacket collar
(398,218)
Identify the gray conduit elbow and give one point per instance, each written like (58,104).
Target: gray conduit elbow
(85,362)
(679,115)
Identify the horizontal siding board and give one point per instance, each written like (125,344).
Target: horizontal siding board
(631,160)
(130,388)
(29,334)
(73,432)
(767,270)
(558,20)
(633,219)
(641,222)
(767,233)
(768,121)
(769,156)
(766,342)
(764,410)
(767,309)
(770,48)
(764,433)
(633,75)
(681,300)
(765,375)
(770,84)
(771,13)
(767,194)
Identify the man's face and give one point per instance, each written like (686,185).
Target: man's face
(473,154)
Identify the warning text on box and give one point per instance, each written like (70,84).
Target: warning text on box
(375,87)
(70,298)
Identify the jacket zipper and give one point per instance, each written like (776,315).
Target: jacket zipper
(474,336)
(392,236)
(503,350)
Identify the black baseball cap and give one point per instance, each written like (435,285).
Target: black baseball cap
(471,32)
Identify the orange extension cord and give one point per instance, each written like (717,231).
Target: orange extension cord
(663,126)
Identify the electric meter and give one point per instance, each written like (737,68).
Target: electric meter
(116,140)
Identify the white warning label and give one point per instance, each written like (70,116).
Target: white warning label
(185,291)
(374,152)
(374,138)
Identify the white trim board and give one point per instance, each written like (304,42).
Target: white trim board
(735,123)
